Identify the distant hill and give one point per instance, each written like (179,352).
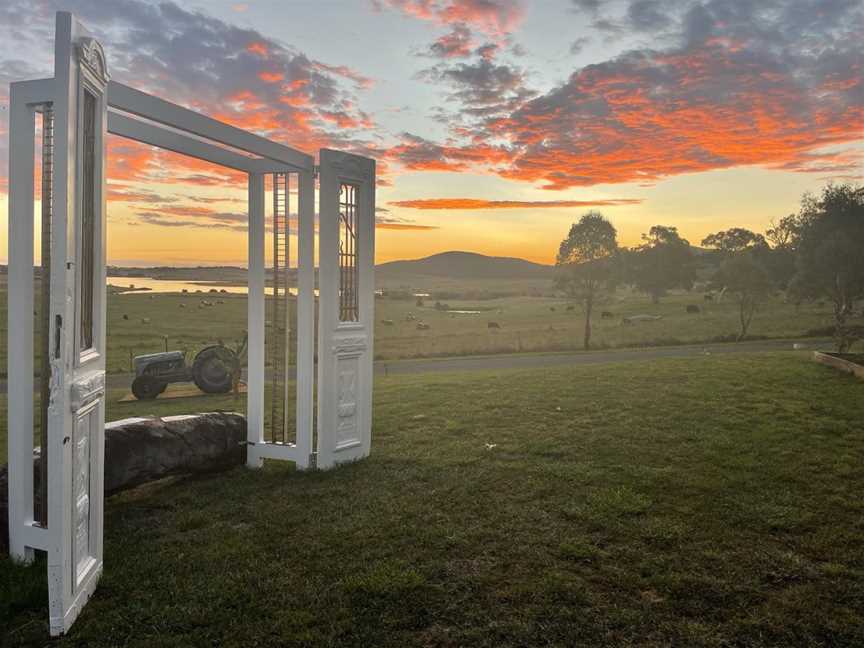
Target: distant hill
(465,265)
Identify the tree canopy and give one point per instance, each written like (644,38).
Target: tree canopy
(736,239)
(830,255)
(663,262)
(586,262)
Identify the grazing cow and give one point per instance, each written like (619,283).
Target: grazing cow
(423,326)
(708,297)
(182,305)
(692,308)
(387,322)
(640,318)
(571,307)
(145,320)
(606,315)
(552,308)
(493,325)
(125,317)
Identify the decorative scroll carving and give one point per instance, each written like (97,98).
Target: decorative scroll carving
(346,404)
(350,345)
(352,166)
(87,389)
(92,56)
(81,493)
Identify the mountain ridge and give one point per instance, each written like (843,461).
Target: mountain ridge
(457,264)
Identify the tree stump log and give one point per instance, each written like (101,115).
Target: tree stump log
(141,450)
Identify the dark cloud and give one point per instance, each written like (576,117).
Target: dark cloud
(480,83)
(232,73)
(458,43)
(734,83)
(579,44)
(191,217)
(647,15)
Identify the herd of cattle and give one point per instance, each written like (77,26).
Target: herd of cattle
(626,320)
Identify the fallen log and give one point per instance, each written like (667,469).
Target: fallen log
(141,450)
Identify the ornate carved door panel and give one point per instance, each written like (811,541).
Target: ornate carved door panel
(346,307)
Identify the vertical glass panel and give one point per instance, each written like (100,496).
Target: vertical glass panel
(88,217)
(349,310)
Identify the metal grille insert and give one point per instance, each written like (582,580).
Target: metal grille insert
(349,303)
(279,328)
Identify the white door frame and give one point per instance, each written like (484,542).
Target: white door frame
(82,394)
(345,332)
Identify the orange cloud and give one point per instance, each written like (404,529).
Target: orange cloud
(492,18)
(477,203)
(648,115)
(258,48)
(405,226)
(271,77)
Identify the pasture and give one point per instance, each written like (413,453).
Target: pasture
(532,320)
(579,509)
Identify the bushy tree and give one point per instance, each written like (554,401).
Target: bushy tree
(783,236)
(743,270)
(586,262)
(664,261)
(830,255)
(746,279)
(734,240)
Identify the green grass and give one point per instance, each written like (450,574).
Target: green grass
(526,324)
(701,502)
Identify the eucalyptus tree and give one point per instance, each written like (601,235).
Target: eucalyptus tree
(586,262)
(743,270)
(664,261)
(830,254)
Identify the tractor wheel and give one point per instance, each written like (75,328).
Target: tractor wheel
(212,368)
(147,387)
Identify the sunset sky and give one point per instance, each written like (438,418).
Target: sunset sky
(495,123)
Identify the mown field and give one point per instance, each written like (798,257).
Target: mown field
(713,501)
(141,323)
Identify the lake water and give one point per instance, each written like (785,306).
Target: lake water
(176,286)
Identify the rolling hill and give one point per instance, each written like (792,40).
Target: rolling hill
(465,265)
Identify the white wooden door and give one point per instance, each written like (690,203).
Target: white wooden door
(346,306)
(76,410)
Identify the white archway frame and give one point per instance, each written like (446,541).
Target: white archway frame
(344,374)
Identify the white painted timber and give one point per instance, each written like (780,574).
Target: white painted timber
(305,317)
(139,103)
(22,122)
(256,322)
(76,410)
(345,348)
(155,135)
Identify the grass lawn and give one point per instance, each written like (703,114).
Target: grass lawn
(701,502)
